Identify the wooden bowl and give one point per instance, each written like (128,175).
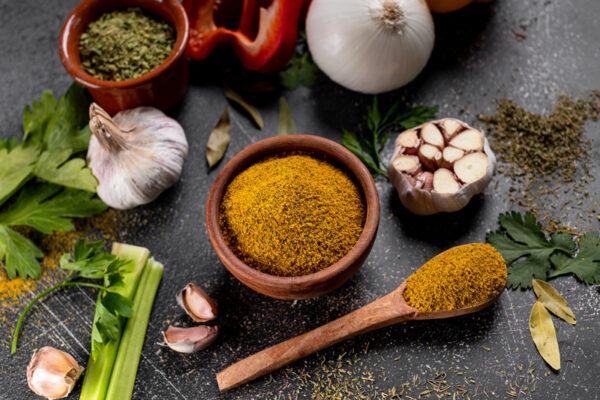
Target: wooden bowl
(306,286)
(162,87)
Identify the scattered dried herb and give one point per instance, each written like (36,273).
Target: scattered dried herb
(218,140)
(250,109)
(529,254)
(125,44)
(553,301)
(367,147)
(286,124)
(544,335)
(539,151)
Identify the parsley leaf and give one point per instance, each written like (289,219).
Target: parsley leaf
(586,265)
(16,166)
(301,69)
(35,119)
(54,167)
(367,147)
(19,254)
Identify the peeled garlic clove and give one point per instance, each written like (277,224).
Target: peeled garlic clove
(52,373)
(196,303)
(190,340)
(432,135)
(135,155)
(464,169)
(410,142)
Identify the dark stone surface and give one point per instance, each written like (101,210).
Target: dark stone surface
(529,51)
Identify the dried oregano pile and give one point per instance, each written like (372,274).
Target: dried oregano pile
(545,154)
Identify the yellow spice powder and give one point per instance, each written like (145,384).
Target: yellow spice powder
(291,214)
(463,276)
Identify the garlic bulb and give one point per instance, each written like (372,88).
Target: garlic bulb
(190,340)
(439,166)
(135,155)
(196,303)
(52,373)
(370,46)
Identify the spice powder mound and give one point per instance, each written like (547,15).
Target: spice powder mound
(463,276)
(291,214)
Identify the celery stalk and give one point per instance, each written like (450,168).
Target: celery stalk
(123,375)
(98,371)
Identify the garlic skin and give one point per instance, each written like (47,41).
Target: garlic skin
(135,155)
(52,373)
(370,46)
(190,340)
(427,201)
(197,304)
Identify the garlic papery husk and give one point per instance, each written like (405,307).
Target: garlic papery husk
(370,46)
(135,155)
(52,373)
(197,304)
(190,340)
(446,179)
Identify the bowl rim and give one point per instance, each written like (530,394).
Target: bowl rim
(73,66)
(285,143)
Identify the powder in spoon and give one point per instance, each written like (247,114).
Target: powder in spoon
(463,276)
(291,214)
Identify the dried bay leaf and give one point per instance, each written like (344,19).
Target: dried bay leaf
(286,122)
(250,109)
(553,301)
(544,335)
(218,140)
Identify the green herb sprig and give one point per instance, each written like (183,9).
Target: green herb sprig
(301,69)
(530,254)
(367,147)
(90,262)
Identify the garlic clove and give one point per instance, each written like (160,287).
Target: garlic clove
(410,142)
(52,373)
(471,167)
(469,140)
(432,135)
(190,340)
(427,191)
(196,303)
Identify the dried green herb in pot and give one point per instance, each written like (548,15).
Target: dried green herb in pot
(125,44)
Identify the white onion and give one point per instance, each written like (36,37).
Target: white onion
(370,46)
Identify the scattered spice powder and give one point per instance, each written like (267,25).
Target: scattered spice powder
(463,276)
(291,214)
(125,44)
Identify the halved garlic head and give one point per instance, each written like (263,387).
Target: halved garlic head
(440,165)
(190,340)
(196,303)
(52,373)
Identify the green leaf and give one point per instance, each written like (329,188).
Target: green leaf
(218,140)
(35,119)
(89,261)
(15,168)
(250,109)
(9,144)
(48,208)
(54,167)
(586,265)
(20,256)
(117,304)
(415,116)
(523,238)
(286,124)
(351,143)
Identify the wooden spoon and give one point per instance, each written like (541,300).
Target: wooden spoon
(388,310)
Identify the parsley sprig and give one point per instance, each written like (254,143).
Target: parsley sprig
(90,262)
(368,146)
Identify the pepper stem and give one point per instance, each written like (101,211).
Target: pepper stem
(110,135)
(390,16)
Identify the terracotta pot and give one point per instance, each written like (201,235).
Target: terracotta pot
(162,87)
(306,286)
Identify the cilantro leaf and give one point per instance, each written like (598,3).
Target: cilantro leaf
(48,208)
(54,167)
(19,254)
(301,69)
(586,265)
(526,249)
(16,166)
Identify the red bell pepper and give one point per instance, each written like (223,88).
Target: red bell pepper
(265,35)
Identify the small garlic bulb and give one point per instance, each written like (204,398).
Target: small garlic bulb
(135,155)
(440,165)
(370,46)
(52,373)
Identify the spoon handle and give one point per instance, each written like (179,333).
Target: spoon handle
(385,311)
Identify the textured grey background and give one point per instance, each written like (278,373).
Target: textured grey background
(529,51)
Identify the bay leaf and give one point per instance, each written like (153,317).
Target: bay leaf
(544,335)
(218,140)
(553,301)
(286,122)
(250,109)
